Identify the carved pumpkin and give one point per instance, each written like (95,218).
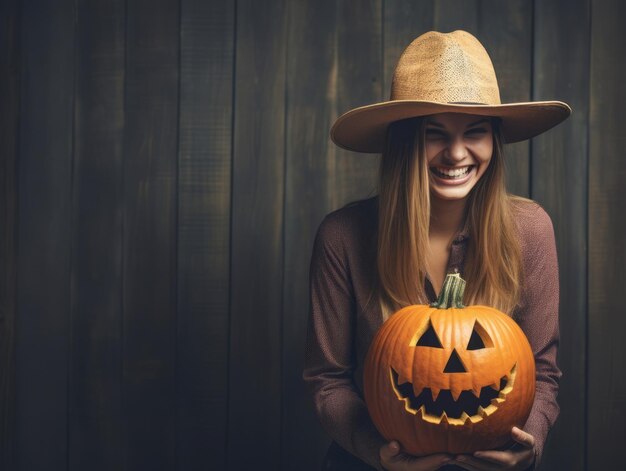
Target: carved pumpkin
(449,378)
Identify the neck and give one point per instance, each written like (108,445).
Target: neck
(446,216)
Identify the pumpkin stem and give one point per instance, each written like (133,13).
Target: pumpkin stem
(451,292)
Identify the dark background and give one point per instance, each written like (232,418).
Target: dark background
(164,167)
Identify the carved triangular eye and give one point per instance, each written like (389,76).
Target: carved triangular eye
(475,342)
(429,338)
(479,338)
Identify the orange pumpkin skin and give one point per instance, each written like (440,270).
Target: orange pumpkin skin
(459,369)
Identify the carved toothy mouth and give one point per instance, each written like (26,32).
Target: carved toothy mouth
(445,408)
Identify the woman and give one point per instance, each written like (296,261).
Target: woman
(441,208)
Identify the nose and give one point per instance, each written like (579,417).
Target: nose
(454,365)
(456,150)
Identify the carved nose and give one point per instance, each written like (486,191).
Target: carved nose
(454,365)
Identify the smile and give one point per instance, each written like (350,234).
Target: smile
(444,408)
(452,173)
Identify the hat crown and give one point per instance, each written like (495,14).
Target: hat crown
(446,68)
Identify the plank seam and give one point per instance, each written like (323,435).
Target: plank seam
(230,230)
(585,463)
(176,231)
(281,324)
(9,448)
(124,433)
(70,245)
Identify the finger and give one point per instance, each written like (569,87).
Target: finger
(507,457)
(501,458)
(389,450)
(523,438)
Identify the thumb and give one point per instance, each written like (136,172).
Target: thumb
(389,450)
(523,438)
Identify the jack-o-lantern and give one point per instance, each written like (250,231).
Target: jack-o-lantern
(449,378)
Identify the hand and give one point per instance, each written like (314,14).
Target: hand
(519,457)
(392,459)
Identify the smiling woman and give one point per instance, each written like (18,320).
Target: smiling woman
(442,208)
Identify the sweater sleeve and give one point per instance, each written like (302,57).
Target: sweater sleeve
(330,357)
(538,317)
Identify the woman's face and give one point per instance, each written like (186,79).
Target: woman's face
(458,149)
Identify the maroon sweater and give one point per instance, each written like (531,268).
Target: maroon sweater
(345,316)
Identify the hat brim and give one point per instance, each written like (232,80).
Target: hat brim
(363,129)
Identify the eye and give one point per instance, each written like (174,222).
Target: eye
(479,338)
(435,134)
(476,132)
(429,338)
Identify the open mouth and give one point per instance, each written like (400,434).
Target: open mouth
(445,408)
(452,174)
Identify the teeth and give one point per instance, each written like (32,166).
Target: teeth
(464,417)
(475,418)
(510,379)
(408,408)
(402,379)
(490,409)
(433,419)
(453,173)
(444,417)
(481,412)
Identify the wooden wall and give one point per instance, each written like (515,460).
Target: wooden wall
(164,167)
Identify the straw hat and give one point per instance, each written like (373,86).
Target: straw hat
(439,73)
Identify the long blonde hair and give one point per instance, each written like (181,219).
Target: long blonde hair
(492,266)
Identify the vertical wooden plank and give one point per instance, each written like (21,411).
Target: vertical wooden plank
(359,64)
(559,183)
(95,401)
(311,91)
(606,400)
(207,47)
(149,226)
(257,237)
(505,29)
(404,20)
(43,260)
(9,119)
